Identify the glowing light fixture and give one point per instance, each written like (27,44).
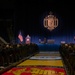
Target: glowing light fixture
(50,21)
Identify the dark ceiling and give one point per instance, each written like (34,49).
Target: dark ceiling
(30,6)
(7,4)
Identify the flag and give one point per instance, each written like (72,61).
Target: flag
(20,37)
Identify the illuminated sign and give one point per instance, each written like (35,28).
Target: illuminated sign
(50,22)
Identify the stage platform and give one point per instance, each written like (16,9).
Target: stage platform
(48,47)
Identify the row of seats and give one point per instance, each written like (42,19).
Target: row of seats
(13,53)
(68,53)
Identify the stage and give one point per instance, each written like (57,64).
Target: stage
(48,47)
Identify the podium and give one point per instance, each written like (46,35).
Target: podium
(28,39)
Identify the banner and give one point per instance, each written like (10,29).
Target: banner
(35,71)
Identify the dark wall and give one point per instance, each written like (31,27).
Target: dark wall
(6,20)
(28,17)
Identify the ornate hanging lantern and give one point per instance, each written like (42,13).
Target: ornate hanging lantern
(50,22)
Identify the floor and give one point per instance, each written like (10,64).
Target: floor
(43,63)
